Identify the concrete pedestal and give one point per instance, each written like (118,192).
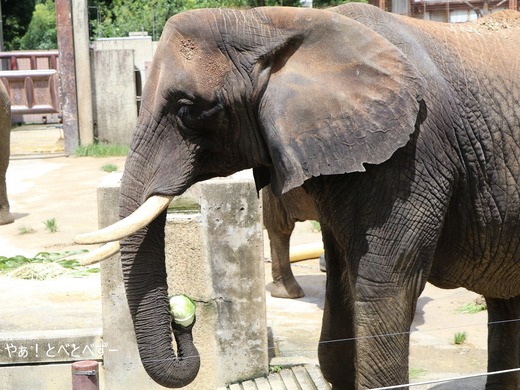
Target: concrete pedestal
(214,256)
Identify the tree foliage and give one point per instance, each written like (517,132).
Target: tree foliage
(333,3)
(31,24)
(116,18)
(41,34)
(16,16)
(120,17)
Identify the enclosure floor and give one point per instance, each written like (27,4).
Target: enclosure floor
(307,377)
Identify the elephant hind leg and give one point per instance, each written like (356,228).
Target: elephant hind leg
(503,342)
(279,226)
(284,282)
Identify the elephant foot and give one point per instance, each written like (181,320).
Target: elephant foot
(323,263)
(6,217)
(287,289)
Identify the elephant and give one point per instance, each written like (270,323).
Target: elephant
(280,215)
(404,133)
(5,146)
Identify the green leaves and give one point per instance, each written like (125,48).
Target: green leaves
(70,266)
(8,263)
(472,308)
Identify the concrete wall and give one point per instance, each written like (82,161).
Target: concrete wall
(115,105)
(116,63)
(142,46)
(216,258)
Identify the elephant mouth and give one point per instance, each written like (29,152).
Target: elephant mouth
(111,235)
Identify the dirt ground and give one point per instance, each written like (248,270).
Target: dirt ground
(47,185)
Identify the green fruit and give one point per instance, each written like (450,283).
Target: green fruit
(182,310)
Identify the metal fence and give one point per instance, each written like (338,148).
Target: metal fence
(32,80)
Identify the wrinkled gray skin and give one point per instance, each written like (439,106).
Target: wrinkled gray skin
(404,132)
(280,216)
(5,147)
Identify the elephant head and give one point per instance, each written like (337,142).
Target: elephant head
(292,93)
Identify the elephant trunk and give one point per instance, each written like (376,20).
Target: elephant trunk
(144,273)
(159,166)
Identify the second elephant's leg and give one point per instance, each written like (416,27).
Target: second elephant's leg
(279,227)
(503,343)
(284,282)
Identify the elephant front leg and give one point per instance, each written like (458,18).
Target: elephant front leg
(382,341)
(368,347)
(503,343)
(367,318)
(336,351)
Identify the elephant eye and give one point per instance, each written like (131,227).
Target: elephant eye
(187,113)
(196,116)
(185,102)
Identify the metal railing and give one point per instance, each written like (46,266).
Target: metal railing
(31,79)
(12,59)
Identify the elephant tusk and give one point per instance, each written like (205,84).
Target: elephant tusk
(140,218)
(100,254)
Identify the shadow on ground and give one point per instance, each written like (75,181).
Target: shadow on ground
(467,384)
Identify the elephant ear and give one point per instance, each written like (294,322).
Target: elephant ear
(337,96)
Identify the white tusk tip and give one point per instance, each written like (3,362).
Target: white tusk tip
(100,254)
